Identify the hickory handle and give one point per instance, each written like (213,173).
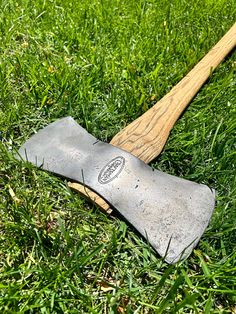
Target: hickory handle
(146,136)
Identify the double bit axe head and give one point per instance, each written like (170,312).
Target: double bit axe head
(170,212)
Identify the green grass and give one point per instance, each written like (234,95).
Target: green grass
(105,63)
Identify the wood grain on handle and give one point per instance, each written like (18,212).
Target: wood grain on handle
(146,136)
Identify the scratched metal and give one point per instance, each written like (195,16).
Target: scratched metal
(170,212)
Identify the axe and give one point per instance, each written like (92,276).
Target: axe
(171,213)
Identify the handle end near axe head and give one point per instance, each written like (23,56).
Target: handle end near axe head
(170,212)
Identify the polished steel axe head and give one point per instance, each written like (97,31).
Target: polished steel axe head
(170,212)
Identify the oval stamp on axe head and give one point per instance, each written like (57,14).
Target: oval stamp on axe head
(111,170)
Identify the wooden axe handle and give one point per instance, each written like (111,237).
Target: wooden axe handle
(146,136)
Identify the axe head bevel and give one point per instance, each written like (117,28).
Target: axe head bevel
(170,212)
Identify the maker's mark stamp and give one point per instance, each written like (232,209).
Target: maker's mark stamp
(111,170)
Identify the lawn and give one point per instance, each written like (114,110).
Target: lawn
(105,63)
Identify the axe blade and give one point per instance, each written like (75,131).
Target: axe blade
(170,212)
